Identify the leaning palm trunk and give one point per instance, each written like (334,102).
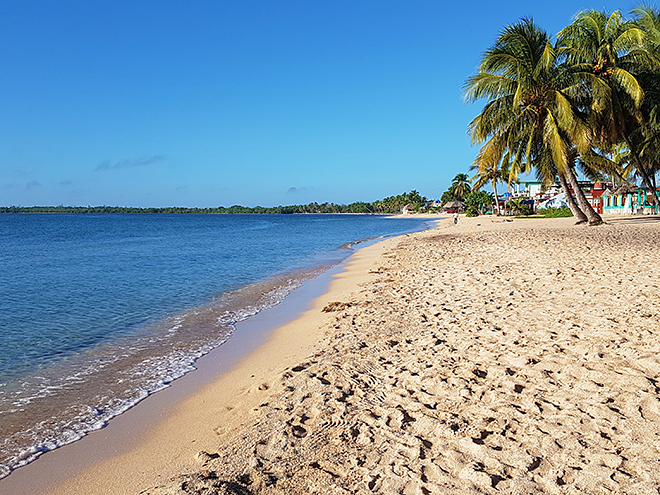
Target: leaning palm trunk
(593,217)
(577,212)
(497,201)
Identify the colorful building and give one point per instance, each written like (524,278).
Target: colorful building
(595,195)
(628,199)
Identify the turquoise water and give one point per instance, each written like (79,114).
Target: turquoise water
(98,311)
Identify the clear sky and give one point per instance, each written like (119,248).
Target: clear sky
(252,102)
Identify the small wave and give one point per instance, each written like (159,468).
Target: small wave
(349,245)
(85,389)
(65,402)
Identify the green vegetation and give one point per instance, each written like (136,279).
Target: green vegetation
(389,205)
(477,203)
(564,211)
(394,204)
(472,211)
(459,189)
(585,98)
(519,208)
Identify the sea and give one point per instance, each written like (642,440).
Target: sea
(99,311)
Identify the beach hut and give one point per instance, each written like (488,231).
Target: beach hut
(605,200)
(454,206)
(408,209)
(623,200)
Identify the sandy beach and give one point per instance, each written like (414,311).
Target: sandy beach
(487,357)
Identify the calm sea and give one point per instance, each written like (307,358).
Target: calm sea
(99,311)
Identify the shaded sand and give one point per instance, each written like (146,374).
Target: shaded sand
(518,357)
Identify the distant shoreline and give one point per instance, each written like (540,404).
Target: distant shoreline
(386,206)
(276,210)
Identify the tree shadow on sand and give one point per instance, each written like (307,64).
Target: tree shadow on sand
(639,220)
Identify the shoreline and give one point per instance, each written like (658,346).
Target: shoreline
(127,430)
(56,471)
(119,372)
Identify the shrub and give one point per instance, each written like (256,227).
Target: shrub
(518,207)
(564,211)
(479,200)
(472,211)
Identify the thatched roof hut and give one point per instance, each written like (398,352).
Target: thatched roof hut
(454,205)
(408,209)
(625,189)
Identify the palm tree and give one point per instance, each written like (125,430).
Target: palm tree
(648,19)
(460,186)
(607,53)
(487,171)
(613,165)
(528,116)
(546,172)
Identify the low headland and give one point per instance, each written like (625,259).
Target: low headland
(388,205)
(492,356)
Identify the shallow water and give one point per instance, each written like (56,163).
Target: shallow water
(98,311)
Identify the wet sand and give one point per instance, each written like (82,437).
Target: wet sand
(161,435)
(488,357)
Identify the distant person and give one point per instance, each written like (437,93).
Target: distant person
(455,218)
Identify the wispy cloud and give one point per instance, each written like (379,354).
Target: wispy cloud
(296,190)
(144,161)
(32,184)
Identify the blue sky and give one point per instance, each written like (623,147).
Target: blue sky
(208,103)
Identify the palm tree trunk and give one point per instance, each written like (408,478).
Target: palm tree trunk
(577,212)
(497,201)
(587,209)
(647,182)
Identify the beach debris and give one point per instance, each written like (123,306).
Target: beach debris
(298,431)
(336,306)
(480,373)
(204,457)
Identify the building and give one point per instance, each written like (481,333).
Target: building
(628,199)
(595,196)
(528,189)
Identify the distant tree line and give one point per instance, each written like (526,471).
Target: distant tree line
(391,204)
(475,202)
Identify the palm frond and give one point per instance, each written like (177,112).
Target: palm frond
(628,83)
